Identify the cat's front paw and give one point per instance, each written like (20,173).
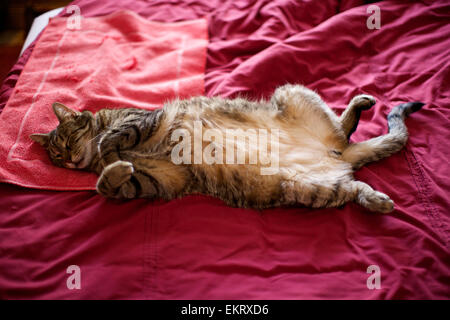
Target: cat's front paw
(363,101)
(113,177)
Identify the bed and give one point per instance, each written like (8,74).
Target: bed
(199,248)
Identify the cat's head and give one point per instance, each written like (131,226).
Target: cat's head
(69,145)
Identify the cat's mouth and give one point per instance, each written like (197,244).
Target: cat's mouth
(70,165)
(80,164)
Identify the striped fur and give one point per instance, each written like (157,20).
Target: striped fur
(130,150)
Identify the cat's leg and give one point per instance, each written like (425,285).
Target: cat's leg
(296,100)
(123,137)
(371,199)
(316,194)
(358,154)
(144,178)
(326,194)
(350,117)
(304,106)
(123,180)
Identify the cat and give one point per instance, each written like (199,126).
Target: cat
(132,150)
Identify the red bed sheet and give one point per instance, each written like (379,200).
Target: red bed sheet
(197,247)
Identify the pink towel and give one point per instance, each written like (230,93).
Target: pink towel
(115,61)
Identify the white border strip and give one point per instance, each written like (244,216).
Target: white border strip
(179,63)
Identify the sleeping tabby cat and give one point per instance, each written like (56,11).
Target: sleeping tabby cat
(130,149)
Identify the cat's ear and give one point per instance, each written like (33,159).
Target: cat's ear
(62,112)
(41,138)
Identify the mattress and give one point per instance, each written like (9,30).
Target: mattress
(199,248)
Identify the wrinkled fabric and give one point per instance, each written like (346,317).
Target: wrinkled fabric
(197,247)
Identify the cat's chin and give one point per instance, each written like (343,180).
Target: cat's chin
(83,163)
(72,165)
(86,159)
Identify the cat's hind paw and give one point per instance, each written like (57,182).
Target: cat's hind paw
(363,101)
(379,202)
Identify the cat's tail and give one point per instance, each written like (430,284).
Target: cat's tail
(358,154)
